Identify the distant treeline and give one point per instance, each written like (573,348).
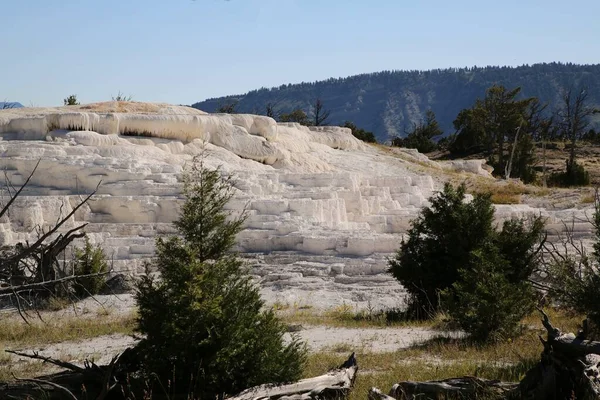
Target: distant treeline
(390,103)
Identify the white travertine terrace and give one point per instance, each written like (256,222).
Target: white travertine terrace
(324,208)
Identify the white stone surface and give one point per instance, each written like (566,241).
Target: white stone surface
(325,210)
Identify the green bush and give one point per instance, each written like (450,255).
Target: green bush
(482,275)
(71,100)
(576,285)
(439,244)
(575,280)
(574,175)
(87,261)
(206,330)
(360,133)
(524,159)
(484,302)
(422,135)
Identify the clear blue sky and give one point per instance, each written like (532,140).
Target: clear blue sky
(183,51)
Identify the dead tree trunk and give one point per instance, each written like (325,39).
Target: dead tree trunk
(334,385)
(569,368)
(468,387)
(32,269)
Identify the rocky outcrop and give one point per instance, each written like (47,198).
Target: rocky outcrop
(325,210)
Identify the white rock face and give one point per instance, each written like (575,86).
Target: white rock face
(325,210)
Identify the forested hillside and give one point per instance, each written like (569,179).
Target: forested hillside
(389,102)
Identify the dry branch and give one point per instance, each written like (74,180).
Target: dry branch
(58,363)
(44,285)
(335,384)
(464,388)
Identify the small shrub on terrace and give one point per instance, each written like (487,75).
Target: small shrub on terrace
(89,260)
(574,175)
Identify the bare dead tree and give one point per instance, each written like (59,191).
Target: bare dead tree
(270,111)
(121,97)
(228,108)
(36,268)
(7,105)
(573,118)
(321,115)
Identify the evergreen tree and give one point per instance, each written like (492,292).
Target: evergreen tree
(89,260)
(206,330)
(439,244)
(484,302)
(360,133)
(422,135)
(298,116)
(71,100)
(490,124)
(482,275)
(227,108)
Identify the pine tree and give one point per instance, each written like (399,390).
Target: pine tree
(71,100)
(207,330)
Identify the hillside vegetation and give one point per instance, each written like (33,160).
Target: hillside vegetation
(390,102)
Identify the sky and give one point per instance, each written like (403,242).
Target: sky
(184,51)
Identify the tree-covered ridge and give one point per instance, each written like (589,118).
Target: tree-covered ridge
(389,103)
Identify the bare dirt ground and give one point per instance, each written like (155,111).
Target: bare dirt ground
(372,340)
(102,348)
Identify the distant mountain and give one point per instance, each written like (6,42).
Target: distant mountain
(389,102)
(10,104)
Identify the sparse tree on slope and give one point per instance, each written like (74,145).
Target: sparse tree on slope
(360,133)
(228,108)
(321,115)
(122,97)
(207,332)
(490,124)
(298,116)
(422,135)
(270,111)
(71,100)
(573,121)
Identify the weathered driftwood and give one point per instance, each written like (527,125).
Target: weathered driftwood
(569,368)
(464,388)
(335,384)
(376,394)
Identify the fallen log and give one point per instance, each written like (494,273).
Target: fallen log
(376,394)
(335,384)
(464,388)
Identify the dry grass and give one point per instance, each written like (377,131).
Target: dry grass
(346,316)
(14,333)
(588,198)
(444,358)
(502,198)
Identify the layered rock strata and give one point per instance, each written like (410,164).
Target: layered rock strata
(324,209)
